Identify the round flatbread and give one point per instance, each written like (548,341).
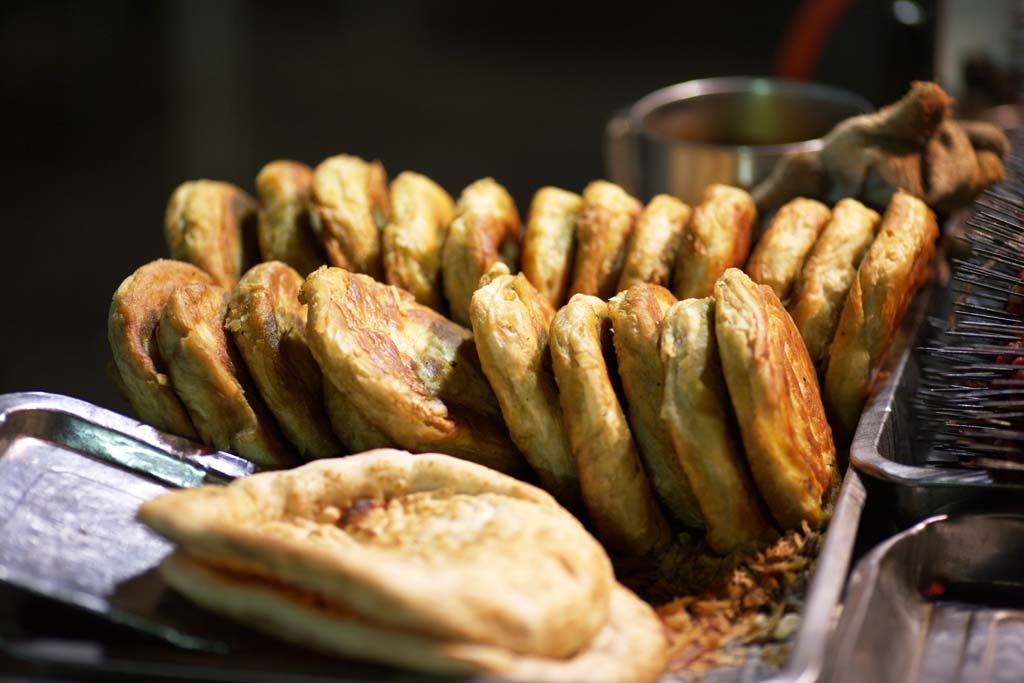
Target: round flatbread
(783,248)
(350,207)
(285,234)
(268,325)
(602,237)
(511,321)
(385,533)
(894,268)
(654,244)
(413,240)
(717,238)
(411,372)
(828,274)
(213,225)
(615,488)
(774,390)
(131,330)
(549,242)
(630,648)
(485,231)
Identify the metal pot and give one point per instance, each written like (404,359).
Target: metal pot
(682,138)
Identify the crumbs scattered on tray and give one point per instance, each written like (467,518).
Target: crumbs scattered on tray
(718,610)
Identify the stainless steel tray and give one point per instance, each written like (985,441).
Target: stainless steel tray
(885,446)
(931,605)
(71,478)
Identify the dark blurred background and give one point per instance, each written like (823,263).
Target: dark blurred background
(109,105)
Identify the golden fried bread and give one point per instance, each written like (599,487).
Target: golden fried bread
(211,381)
(485,230)
(636,316)
(630,648)
(614,486)
(774,390)
(895,266)
(828,274)
(284,189)
(549,241)
(350,426)
(414,238)
(411,372)
(213,225)
(350,207)
(602,237)
(654,243)
(384,533)
(782,250)
(697,415)
(131,330)
(717,238)
(511,321)
(268,326)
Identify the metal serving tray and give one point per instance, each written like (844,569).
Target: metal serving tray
(885,445)
(943,602)
(71,478)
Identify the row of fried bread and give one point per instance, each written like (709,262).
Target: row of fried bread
(364,365)
(401,374)
(349,556)
(412,235)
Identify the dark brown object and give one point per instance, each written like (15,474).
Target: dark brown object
(912,144)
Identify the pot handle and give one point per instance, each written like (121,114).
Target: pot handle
(622,152)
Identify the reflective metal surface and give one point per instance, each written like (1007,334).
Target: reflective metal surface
(884,446)
(72,476)
(940,602)
(682,138)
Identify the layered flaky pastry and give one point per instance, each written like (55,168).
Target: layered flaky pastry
(549,242)
(485,231)
(411,372)
(630,648)
(774,390)
(213,225)
(350,207)
(511,321)
(654,244)
(697,416)
(413,239)
(382,534)
(895,266)
(211,380)
(636,315)
(284,189)
(780,253)
(268,326)
(602,237)
(131,331)
(717,238)
(828,273)
(615,488)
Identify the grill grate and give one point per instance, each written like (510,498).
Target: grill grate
(970,400)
